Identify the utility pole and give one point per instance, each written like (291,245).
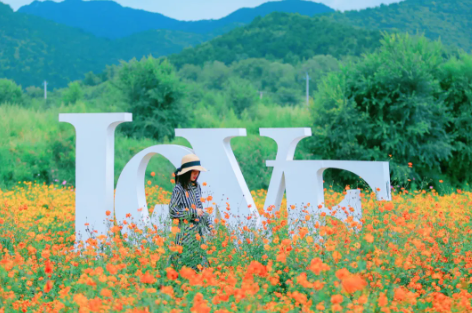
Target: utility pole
(45,90)
(307,89)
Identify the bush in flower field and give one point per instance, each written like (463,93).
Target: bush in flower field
(413,254)
(393,104)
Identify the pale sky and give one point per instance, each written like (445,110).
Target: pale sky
(213,9)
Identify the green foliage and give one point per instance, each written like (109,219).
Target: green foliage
(405,100)
(91,79)
(456,80)
(10,92)
(73,93)
(154,94)
(448,20)
(241,95)
(215,74)
(34,92)
(34,146)
(289,38)
(272,81)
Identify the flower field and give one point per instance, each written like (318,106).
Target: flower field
(413,254)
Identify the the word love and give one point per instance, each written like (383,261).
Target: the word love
(302,180)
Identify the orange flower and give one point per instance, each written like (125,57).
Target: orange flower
(112,269)
(342,273)
(200,305)
(48,267)
(317,266)
(388,206)
(175,229)
(48,286)
(106,293)
(153,174)
(369,238)
(108,213)
(337,256)
(353,283)
(382,301)
(148,278)
(286,242)
(171,273)
(168,290)
(336,299)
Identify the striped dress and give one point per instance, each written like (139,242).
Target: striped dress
(183,206)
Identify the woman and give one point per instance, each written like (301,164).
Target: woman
(186,207)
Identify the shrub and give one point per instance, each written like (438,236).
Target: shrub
(73,93)
(390,103)
(10,92)
(456,81)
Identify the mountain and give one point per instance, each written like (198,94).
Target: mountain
(110,20)
(34,49)
(281,36)
(449,20)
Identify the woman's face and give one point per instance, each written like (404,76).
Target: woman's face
(194,175)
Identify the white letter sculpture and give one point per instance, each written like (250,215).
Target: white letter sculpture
(301,179)
(94,173)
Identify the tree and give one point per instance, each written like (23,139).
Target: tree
(154,94)
(91,79)
(34,92)
(388,104)
(10,92)
(456,80)
(240,94)
(73,93)
(215,74)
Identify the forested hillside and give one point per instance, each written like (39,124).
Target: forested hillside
(38,49)
(449,20)
(286,37)
(111,20)
(35,49)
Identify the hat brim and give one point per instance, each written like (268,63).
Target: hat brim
(197,167)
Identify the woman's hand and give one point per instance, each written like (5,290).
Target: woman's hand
(199,212)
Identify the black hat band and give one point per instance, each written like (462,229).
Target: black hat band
(185,165)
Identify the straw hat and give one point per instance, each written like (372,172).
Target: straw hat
(190,162)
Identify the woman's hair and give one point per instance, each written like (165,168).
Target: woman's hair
(184,179)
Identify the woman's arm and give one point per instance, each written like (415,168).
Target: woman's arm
(177,206)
